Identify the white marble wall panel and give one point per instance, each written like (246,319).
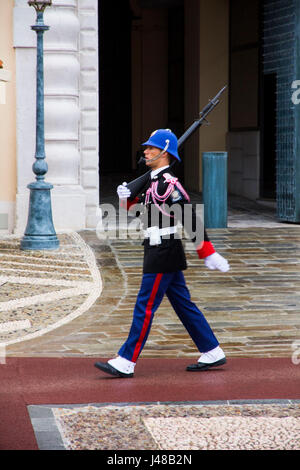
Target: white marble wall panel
(71,109)
(89,127)
(62,114)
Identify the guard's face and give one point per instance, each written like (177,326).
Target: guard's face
(152,152)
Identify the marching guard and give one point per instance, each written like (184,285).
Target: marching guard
(164,260)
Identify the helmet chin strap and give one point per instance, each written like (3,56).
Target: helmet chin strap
(159,155)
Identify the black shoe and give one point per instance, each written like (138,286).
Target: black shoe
(203,366)
(105,367)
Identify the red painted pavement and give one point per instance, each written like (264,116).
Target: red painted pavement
(31,381)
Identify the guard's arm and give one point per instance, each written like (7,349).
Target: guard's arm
(194,227)
(124,194)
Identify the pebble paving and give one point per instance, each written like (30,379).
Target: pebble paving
(181,427)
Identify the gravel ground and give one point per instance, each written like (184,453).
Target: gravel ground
(180,427)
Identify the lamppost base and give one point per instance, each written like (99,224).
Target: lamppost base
(46,242)
(40,233)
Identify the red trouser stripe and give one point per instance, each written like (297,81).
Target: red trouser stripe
(147,318)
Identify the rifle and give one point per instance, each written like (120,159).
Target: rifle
(138,184)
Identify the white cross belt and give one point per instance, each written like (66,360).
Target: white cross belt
(155,233)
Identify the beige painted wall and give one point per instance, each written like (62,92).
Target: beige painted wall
(8,110)
(214,73)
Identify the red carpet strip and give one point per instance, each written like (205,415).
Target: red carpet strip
(32,381)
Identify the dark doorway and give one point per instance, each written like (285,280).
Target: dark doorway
(116,20)
(268,138)
(114,86)
(176,77)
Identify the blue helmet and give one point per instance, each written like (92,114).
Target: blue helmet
(166,140)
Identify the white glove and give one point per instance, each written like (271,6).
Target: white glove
(216,261)
(123,191)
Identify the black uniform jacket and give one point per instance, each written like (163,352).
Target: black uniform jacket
(168,256)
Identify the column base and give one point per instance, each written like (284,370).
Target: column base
(40,233)
(31,242)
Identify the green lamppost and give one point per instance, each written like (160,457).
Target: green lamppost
(40,233)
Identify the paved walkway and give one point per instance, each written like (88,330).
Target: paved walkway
(75,304)
(54,297)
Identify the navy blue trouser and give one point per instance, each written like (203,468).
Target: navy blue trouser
(153,288)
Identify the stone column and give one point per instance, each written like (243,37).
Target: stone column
(62,114)
(89,119)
